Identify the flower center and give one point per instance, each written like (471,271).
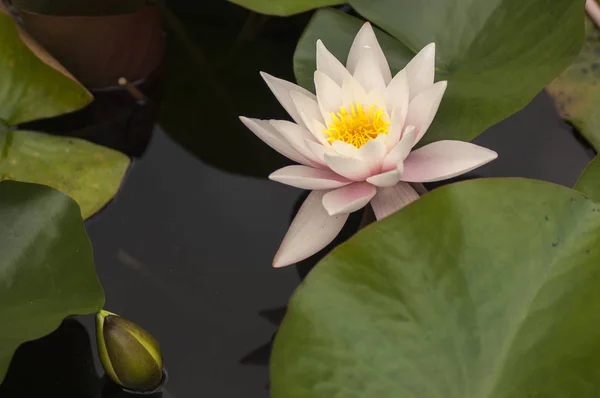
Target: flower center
(357,126)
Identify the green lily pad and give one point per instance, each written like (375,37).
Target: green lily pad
(481,289)
(285,7)
(589,181)
(46,265)
(496,55)
(576,91)
(90,174)
(33,85)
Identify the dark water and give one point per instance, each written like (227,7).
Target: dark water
(185,251)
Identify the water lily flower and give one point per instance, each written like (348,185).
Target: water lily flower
(354,140)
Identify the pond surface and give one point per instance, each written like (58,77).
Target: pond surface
(185,251)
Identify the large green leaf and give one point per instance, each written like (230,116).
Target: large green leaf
(285,7)
(496,54)
(589,181)
(481,289)
(89,173)
(576,91)
(32,85)
(46,265)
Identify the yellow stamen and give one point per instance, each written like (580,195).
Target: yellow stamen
(357,126)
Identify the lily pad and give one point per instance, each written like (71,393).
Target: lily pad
(285,7)
(482,289)
(576,91)
(589,181)
(90,174)
(46,266)
(496,55)
(34,86)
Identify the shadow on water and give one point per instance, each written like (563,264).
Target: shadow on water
(60,365)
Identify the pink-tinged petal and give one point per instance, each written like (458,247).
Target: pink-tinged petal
(329,95)
(368,72)
(344,149)
(421,70)
(401,150)
(349,198)
(353,168)
(387,179)
(397,92)
(270,136)
(444,159)
(297,136)
(309,178)
(330,65)
(423,108)
(373,153)
(312,230)
(366,38)
(390,200)
(282,89)
(353,93)
(319,150)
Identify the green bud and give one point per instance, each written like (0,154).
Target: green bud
(131,357)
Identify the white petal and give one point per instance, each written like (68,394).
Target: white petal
(319,150)
(297,136)
(349,198)
(401,150)
(368,72)
(282,89)
(387,179)
(318,131)
(396,94)
(353,168)
(330,65)
(353,93)
(390,200)
(421,70)
(377,98)
(366,38)
(373,153)
(423,108)
(329,95)
(270,136)
(344,149)
(310,114)
(396,126)
(309,178)
(311,231)
(444,159)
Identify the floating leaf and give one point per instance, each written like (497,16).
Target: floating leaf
(89,173)
(589,181)
(46,265)
(486,288)
(285,7)
(576,91)
(496,55)
(33,85)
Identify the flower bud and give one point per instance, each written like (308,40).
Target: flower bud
(131,357)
